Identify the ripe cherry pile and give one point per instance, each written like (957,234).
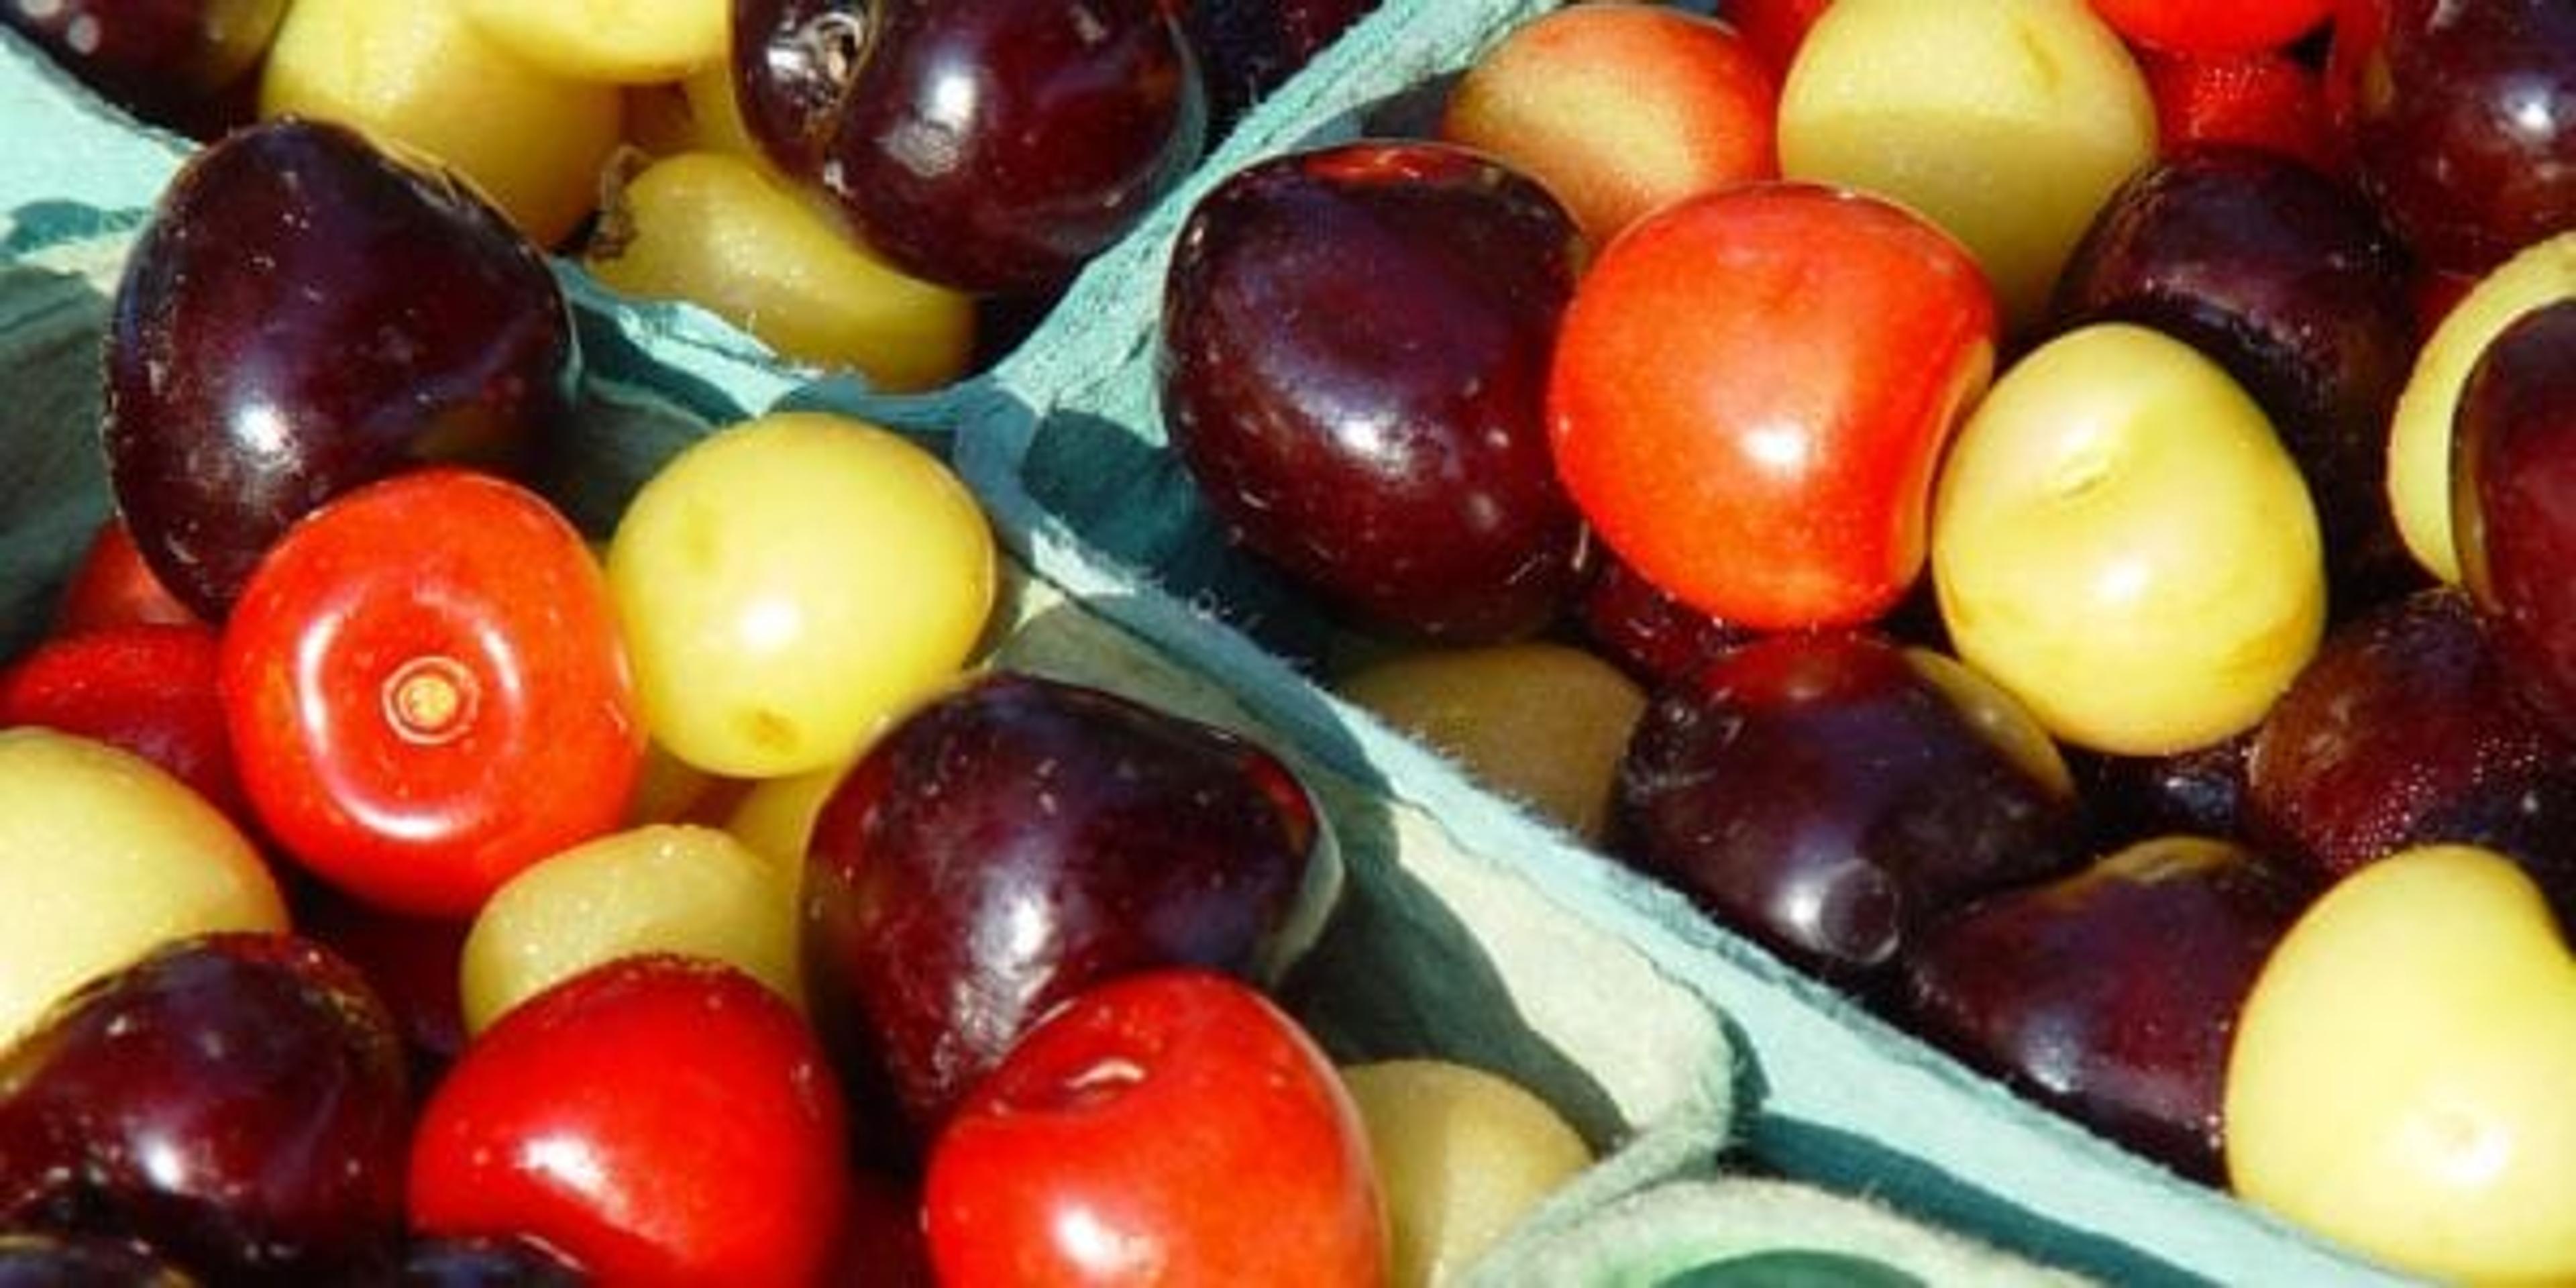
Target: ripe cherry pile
(2076,496)
(400,886)
(2056,511)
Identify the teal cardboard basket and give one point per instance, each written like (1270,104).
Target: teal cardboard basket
(1470,929)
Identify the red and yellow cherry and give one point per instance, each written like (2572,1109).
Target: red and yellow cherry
(1620,109)
(1750,392)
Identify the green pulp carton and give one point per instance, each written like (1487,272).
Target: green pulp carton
(1746,1111)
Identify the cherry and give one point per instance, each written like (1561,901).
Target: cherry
(1353,366)
(658,1120)
(990,147)
(2286,278)
(1010,843)
(1829,793)
(236,1101)
(2464,120)
(2403,730)
(2111,993)
(2513,501)
(171,62)
(150,689)
(1247,48)
(304,314)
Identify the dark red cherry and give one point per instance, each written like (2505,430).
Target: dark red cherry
(1247,48)
(2406,729)
(235,1101)
(1013,842)
(2464,119)
(1828,794)
(2112,993)
(1353,366)
(303,314)
(2513,503)
(170,62)
(993,146)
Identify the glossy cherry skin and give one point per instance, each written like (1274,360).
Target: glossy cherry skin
(2513,502)
(1353,365)
(2271,100)
(167,61)
(305,314)
(2286,278)
(236,1101)
(1829,793)
(1013,842)
(2406,729)
(1172,1126)
(2464,121)
(658,1120)
(2112,993)
(991,147)
(428,691)
(1752,388)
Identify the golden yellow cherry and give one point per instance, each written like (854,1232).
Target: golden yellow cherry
(716,229)
(1462,1155)
(661,888)
(104,857)
(1540,722)
(422,77)
(628,42)
(2399,1080)
(2007,122)
(791,585)
(2120,540)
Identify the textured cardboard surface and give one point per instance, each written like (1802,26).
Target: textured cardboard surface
(1477,931)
